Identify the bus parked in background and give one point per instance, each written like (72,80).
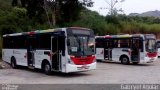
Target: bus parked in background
(136,48)
(158,47)
(63,49)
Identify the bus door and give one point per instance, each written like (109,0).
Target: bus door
(135,54)
(107,50)
(58,51)
(55,53)
(31,47)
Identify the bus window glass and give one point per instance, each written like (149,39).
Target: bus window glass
(124,43)
(44,41)
(100,43)
(138,42)
(81,45)
(115,43)
(150,45)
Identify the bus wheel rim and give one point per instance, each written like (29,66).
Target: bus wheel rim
(47,68)
(13,64)
(125,60)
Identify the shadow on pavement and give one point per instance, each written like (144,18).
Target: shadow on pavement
(39,71)
(119,63)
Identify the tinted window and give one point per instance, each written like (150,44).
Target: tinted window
(100,43)
(124,43)
(14,42)
(120,43)
(44,41)
(158,44)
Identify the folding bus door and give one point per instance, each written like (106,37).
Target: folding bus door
(107,50)
(31,47)
(55,53)
(135,54)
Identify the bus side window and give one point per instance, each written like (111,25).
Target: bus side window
(141,45)
(5,42)
(13,42)
(125,43)
(111,44)
(115,43)
(62,45)
(44,41)
(99,43)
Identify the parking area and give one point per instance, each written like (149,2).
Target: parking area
(106,73)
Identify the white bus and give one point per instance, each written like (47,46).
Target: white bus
(136,48)
(63,49)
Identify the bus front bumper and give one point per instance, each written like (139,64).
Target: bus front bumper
(79,68)
(149,60)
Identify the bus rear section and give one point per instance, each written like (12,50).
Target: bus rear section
(136,48)
(61,50)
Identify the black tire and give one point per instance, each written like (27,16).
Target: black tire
(13,63)
(125,60)
(99,60)
(47,68)
(135,63)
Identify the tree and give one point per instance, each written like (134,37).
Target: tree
(56,11)
(14,2)
(112,6)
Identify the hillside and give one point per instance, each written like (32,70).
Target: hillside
(155,13)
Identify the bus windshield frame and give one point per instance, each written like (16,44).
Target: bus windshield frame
(80,42)
(150,43)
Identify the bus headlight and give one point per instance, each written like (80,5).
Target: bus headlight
(69,61)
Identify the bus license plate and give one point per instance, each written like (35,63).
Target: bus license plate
(83,67)
(152,59)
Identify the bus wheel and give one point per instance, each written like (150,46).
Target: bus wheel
(13,63)
(125,60)
(135,63)
(98,60)
(47,68)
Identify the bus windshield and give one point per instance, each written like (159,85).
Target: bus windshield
(150,45)
(80,45)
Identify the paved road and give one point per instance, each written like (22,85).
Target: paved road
(106,73)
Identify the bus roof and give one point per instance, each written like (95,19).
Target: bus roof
(42,31)
(123,36)
(30,33)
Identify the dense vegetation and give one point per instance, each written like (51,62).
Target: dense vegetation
(19,18)
(29,15)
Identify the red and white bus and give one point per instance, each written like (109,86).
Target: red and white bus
(63,49)
(136,48)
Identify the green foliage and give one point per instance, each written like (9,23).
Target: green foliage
(112,19)
(71,13)
(62,10)
(23,18)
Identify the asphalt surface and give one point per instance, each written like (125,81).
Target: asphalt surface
(106,73)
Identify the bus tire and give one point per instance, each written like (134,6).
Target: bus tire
(135,63)
(98,60)
(13,63)
(125,60)
(47,68)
